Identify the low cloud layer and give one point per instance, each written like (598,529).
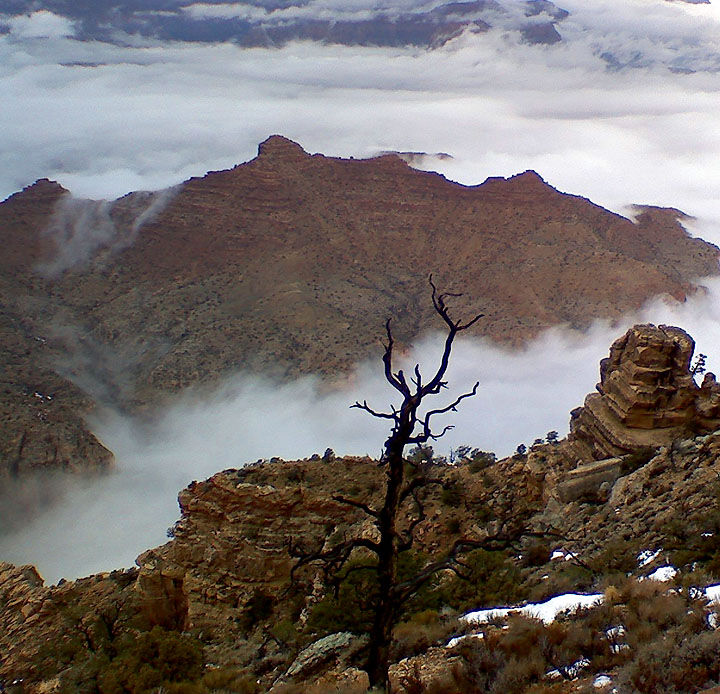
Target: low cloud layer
(103,523)
(80,228)
(106,119)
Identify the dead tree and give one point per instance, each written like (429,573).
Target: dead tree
(402,509)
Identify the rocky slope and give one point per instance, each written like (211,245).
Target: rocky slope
(225,577)
(290,264)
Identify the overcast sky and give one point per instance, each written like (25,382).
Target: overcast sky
(625,110)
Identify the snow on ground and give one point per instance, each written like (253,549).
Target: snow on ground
(549,610)
(713,594)
(647,556)
(663,573)
(602,681)
(457,639)
(546,611)
(572,671)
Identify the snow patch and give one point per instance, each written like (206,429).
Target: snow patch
(546,611)
(664,573)
(713,593)
(647,556)
(572,671)
(602,681)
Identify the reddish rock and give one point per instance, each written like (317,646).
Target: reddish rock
(289,264)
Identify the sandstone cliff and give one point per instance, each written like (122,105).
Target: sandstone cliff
(646,396)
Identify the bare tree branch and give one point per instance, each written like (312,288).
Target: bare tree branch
(364,406)
(357,504)
(408,428)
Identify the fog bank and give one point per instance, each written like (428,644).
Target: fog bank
(105,523)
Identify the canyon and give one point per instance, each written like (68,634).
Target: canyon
(286,265)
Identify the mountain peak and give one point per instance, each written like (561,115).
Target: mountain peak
(280,146)
(43,187)
(529,177)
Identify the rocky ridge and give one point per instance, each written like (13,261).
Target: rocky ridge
(287,265)
(231,546)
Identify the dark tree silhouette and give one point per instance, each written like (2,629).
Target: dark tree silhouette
(402,509)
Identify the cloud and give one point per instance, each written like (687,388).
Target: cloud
(81,228)
(344,10)
(39,25)
(100,524)
(107,119)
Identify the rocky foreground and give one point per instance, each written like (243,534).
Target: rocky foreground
(637,476)
(286,265)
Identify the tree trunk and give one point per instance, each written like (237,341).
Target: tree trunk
(387,607)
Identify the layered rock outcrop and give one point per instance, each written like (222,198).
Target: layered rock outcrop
(646,397)
(227,574)
(42,627)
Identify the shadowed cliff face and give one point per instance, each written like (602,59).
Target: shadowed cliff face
(290,264)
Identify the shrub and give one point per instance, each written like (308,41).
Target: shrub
(418,633)
(493,580)
(451,495)
(228,680)
(453,525)
(618,556)
(153,659)
(537,554)
(676,663)
(351,607)
(479,460)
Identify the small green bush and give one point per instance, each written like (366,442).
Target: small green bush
(618,556)
(153,659)
(451,495)
(493,580)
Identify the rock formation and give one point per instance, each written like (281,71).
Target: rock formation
(229,552)
(226,573)
(646,396)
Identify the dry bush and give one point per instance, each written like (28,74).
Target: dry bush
(421,631)
(677,663)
